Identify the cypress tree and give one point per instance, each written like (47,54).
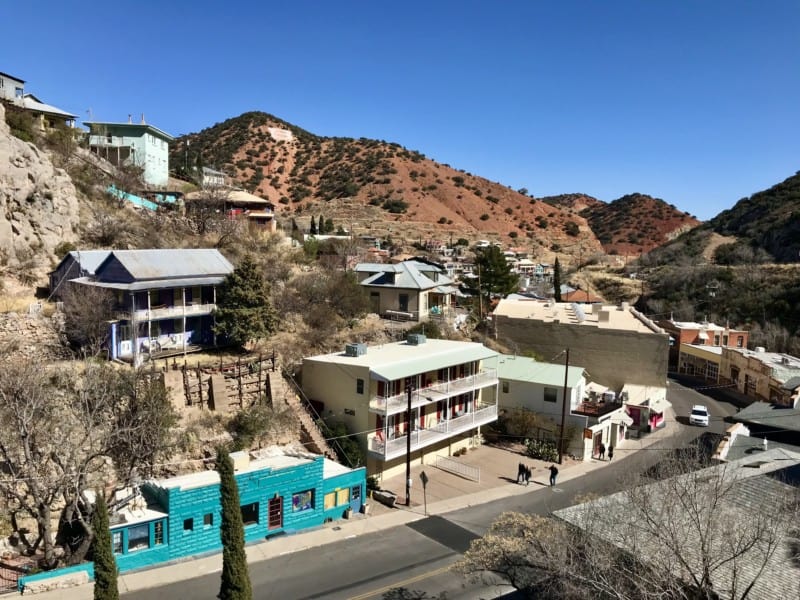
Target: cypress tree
(313,228)
(321,225)
(105,567)
(235,584)
(557,281)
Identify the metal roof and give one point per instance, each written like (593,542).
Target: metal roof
(407,275)
(757,482)
(150,284)
(31,102)
(769,415)
(87,260)
(522,368)
(157,264)
(391,362)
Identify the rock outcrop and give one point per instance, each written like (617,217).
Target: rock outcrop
(38,204)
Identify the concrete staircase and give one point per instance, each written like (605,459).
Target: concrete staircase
(282,392)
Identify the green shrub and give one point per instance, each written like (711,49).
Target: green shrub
(541,450)
(484,217)
(395,206)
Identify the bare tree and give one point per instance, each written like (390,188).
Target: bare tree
(63,432)
(696,534)
(87,310)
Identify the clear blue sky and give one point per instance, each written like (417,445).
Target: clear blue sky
(697,103)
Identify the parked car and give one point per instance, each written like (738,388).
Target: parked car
(699,416)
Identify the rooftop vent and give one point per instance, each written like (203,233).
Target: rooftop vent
(604,316)
(415,339)
(760,349)
(240,460)
(355,349)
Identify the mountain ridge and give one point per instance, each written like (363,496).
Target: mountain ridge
(303,173)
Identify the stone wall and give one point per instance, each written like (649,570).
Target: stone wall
(34,336)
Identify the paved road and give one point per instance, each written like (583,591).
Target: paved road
(417,556)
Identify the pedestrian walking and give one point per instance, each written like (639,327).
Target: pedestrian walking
(553,475)
(601,451)
(610,452)
(527,475)
(520,473)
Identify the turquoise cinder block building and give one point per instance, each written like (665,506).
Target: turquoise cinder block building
(281,490)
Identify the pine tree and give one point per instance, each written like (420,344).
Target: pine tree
(235,583)
(496,276)
(105,567)
(313,227)
(557,281)
(244,311)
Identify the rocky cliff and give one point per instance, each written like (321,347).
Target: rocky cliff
(38,205)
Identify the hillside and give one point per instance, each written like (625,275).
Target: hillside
(305,174)
(769,219)
(762,228)
(630,225)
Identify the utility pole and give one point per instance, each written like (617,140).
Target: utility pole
(409,389)
(563,411)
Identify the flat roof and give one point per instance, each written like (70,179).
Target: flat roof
(155,130)
(522,368)
(569,313)
(784,366)
(692,325)
(273,458)
(389,362)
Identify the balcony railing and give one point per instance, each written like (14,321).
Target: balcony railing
(590,408)
(385,449)
(168,312)
(437,391)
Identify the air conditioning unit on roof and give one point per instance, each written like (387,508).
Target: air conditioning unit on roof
(355,349)
(415,339)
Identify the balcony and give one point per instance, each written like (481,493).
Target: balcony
(590,408)
(387,405)
(385,450)
(156,313)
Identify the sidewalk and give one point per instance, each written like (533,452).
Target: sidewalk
(445,492)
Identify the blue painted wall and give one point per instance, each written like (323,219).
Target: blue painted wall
(192,527)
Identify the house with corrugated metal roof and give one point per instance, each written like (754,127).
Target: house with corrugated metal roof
(409,291)
(165,299)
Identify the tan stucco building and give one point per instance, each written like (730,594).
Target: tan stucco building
(454,392)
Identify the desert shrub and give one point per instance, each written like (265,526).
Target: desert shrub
(541,450)
(395,206)
(484,217)
(571,227)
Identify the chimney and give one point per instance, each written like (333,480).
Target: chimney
(143,123)
(130,119)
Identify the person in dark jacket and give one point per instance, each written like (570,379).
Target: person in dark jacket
(601,451)
(610,452)
(553,475)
